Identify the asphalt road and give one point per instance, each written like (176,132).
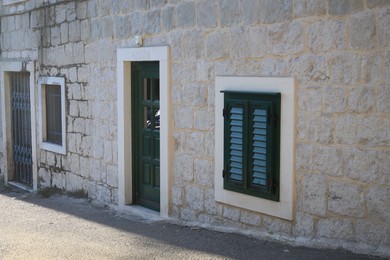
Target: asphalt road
(55,226)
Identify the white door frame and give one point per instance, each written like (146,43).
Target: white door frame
(17,66)
(125,186)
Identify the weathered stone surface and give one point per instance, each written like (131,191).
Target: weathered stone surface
(186,14)
(59,180)
(259,44)
(384,27)
(286,38)
(310,68)
(217,45)
(74,182)
(194,143)
(193,44)
(371,69)
(177,195)
(341,7)
(334,99)
(250,218)
(345,68)
(372,233)
(304,225)
(329,161)
(310,99)
(384,166)
(276,225)
(374,131)
(122,27)
(378,201)
(204,120)
(321,130)
(81,10)
(204,172)
(183,166)
(230,12)
(240,42)
(153,22)
(314,194)
(309,8)
(304,157)
(335,228)
(362,32)
(346,129)
(231,213)
(207,13)
(168,18)
(251,11)
(276,11)
(383,102)
(195,197)
(346,199)
(44,178)
(326,35)
(361,99)
(274,67)
(387,67)
(137,19)
(377,3)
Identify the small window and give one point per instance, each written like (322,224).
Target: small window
(52,115)
(252,143)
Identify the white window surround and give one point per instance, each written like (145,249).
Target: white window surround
(125,186)
(10,2)
(16,66)
(286,86)
(42,82)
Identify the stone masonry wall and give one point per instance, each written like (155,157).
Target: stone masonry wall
(337,50)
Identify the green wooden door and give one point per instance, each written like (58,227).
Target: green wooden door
(146,133)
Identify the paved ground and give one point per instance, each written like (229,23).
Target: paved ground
(54,226)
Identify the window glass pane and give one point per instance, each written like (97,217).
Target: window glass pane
(53,114)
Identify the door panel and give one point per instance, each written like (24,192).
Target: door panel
(146,133)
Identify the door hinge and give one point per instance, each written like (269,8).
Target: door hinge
(225,112)
(224,173)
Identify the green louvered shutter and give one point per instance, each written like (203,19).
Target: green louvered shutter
(252,134)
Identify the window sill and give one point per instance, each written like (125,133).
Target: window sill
(55,148)
(11,2)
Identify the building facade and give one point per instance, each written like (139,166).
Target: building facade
(266,117)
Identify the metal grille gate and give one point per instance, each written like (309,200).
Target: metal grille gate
(21,127)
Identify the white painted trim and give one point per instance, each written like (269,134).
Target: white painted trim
(11,2)
(17,66)
(124,59)
(286,86)
(42,82)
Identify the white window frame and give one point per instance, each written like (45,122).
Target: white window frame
(286,86)
(48,146)
(11,2)
(125,57)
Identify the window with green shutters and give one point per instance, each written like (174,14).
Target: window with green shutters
(252,143)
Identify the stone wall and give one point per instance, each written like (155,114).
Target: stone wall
(337,50)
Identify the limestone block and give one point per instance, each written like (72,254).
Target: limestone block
(103,8)
(231,213)
(84,109)
(195,197)
(346,129)
(71,142)
(251,11)
(384,26)
(310,99)
(177,195)
(112,175)
(73,162)
(70,11)
(346,199)
(304,8)
(137,19)
(74,182)
(82,76)
(92,9)
(84,167)
(276,225)
(55,36)
(217,45)
(85,30)
(371,69)
(383,102)
(207,13)
(157,3)
(204,120)
(250,218)
(193,44)
(387,67)
(378,203)
(321,130)
(374,131)
(187,214)
(384,166)
(107,27)
(274,67)
(334,99)
(183,166)
(326,35)
(64,33)
(342,7)
(59,180)
(183,72)
(107,151)
(210,205)
(362,32)
(345,68)
(87,145)
(361,164)
(194,143)
(186,14)
(314,190)
(335,228)
(50,159)
(240,42)
(72,75)
(276,11)
(126,6)
(194,95)
(95,169)
(81,10)
(229,12)
(310,68)
(204,172)
(372,233)
(377,3)
(103,194)
(361,99)
(203,70)
(96,29)
(286,38)
(329,161)
(168,18)
(142,4)
(153,22)
(258,44)
(60,11)
(98,149)
(183,117)
(209,144)
(304,157)
(44,178)
(304,225)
